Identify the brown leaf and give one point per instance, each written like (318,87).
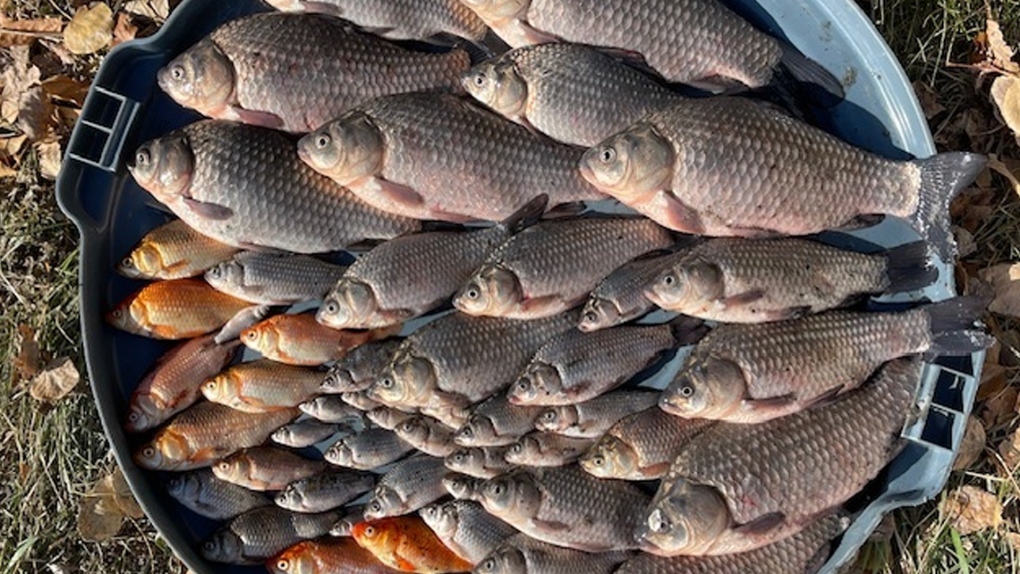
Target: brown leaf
(90,30)
(56,381)
(27,361)
(124,29)
(49,159)
(1006,290)
(1006,95)
(999,53)
(24,32)
(99,518)
(7,171)
(971,509)
(154,9)
(61,87)
(928,98)
(972,446)
(34,114)
(1009,449)
(124,497)
(17,78)
(999,408)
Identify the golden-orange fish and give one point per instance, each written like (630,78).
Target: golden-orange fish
(258,386)
(206,433)
(301,340)
(327,556)
(173,251)
(408,544)
(173,384)
(175,309)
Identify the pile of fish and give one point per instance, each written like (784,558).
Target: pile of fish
(555,196)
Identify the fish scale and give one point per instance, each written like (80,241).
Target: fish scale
(211,497)
(173,251)
(466,528)
(274,278)
(398,19)
(258,534)
(592,418)
(620,297)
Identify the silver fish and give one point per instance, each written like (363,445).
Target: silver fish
(590,419)
(273,278)
(621,296)
(368,449)
(427,435)
(325,491)
(463,487)
(387,417)
(466,528)
(201,492)
(306,433)
(522,554)
(411,484)
(547,449)
(479,462)
(496,422)
(260,533)
(357,370)
(350,515)
(330,409)
(361,401)
(397,19)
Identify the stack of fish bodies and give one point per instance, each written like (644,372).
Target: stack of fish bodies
(511,435)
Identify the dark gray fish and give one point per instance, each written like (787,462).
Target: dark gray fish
(325,491)
(201,492)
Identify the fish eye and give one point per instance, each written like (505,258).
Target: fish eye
(490,564)
(142,157)
(549,416)
(598,460)
(607,155)
(687,391)
(498,489)
(523,385)
(480,80)
(252,335)
(472,293)
(659,523)
(332,307)
(322,141)
(133,417)
(283,565)
(591,317)
(386,383)
(669,280)
(209,545)
(127,262)
(376,507)
(467,431)
(177,72)
(407,426)
(516,448)
(370,531)
(458,457)
(117,313)
(215,272)
(149,452)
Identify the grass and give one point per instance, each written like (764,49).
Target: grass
(50,456)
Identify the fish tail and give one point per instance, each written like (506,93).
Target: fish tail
(910,267)
(943,177)
(827,90)
(953,326)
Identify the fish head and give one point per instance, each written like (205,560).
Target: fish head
(186,486)
(262,337)
(493,11)
(224,546)
(290,498)
(497,84)
(710,388)
(131,315)
(340,454)
(611,457)
(144,261)
(462,486)
(691,284)
(351,304)
(557,419)
(514,494)
(346,150)
(202,78)
(406,382)
(441,518)
(385,502)
(525,450)
(145,409)
(538,380)
(225,274)
(338,379)
(476,430)
(493,291)
(503,560)
(165,452)
(686,518)
(386,417)
(220,388)
(630,164)
(598,313)
(298,559)
(466,458)
(233,468)
(414,429)
(164,167)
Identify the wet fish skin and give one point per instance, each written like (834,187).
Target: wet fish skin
(397,20)
(330,409)
(206,433)
(263,532)
(572,93)
(800,462)
(368,449)
(408,544)
(172,384)
(466,528)
(262,385)
(620,297)
(641,446)
(324,491)
(357,370)
(522,554)
(552,266)
(306,432)
(566,507)
(755,187)
(427,435)
(397,153)
(299,340)
(175,309)
(387,417)
(201,492)
(273,278)
(496,422)
(591,419)
(479,462)
(463,487)
(243,186)
(410,485)
(267,69)
(801,552)
(577,366)
(547,449)
(361,401)
(324,556)
(739,280)
(352,514)
(265,468)
(173,251)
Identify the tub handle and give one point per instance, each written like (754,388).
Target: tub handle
(102,128)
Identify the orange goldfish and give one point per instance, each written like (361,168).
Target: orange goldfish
(173,251)
(408,544)
(175,309)
(301,340)
(327,556)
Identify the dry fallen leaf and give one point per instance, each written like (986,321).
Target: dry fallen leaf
(154,9)
(1013,539)
(1006,95)
(55,381)
(90,30)
(49,159)
(26,363)
(98,520)
(24,32)
(1006,290)
(123,30)
(971,509)
(928,98)
(64,88)
(972,446)
(999,408)
(122,494)
(17,78)
(1009,448)
(999,53)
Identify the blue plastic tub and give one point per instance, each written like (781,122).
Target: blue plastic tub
(125,107)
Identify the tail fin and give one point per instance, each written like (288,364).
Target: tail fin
(687,330)
(952,324)
(942,177)
(909,267)
(827,90)
(527,215)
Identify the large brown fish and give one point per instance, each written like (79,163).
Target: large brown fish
(436,156)
(175,309)
(244,186)
(642,445)
(459,359)
(173,384)
(697,42)
(272,278)
(736,280)
(262,385)
(206,433)
(327,556)
(265,468)
(408,276)
(397,19)
(572,93)
(566,507)
(173,251)
(552,266)
(753,373)
(296,72)
(522,554)
(803,466)
(621,296)
(258,534)
(201,492)
(767,173)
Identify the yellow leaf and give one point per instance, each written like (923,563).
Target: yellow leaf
(55,381)
(972,446)
(27,360)
(1006,95)
(49,159)
(1000,54)
(971,509)
(90,30)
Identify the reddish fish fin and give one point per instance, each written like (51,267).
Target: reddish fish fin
(656,470)
(548,304)
(744,298)
(761,525)
(397,193)
(678,216)
(550,525)
(256,118)
(211,211)
(404,564)
(536,36)
(828,396)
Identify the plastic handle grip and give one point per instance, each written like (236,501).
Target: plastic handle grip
(102,128)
